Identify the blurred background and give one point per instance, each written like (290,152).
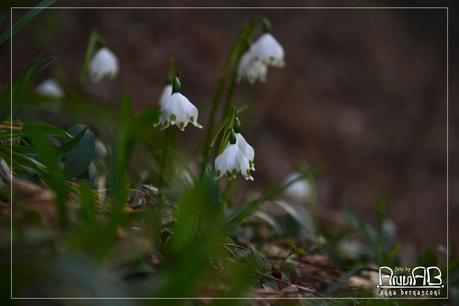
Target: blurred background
(363,92)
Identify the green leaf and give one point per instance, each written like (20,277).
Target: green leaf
(47,129)
(77,160)
(6,134)
(428,258)
(69,145)
(247,210)
(24,20)
(301,218)
(53,176)
(21,83)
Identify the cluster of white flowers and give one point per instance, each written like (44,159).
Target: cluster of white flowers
(176,109)
(104,63)
(264,52)
(237,157)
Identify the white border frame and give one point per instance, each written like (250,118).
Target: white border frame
(238,8)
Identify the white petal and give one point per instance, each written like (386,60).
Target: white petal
(165,95)
(231,161)
(268,50)
(244,64)
(104,63)
(193,115)
(179,111)
(257,72)
(251,68)
(50,88)
(245,148)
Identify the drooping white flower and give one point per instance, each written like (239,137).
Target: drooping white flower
(50,88)
(179,111)
(246,150)
(104,63)
(251,69)
(165,95)
(268,50)
(300,190)
(231,162)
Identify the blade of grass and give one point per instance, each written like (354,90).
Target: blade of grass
(25,20)
(240,215)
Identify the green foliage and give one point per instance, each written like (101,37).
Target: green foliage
(5,36)
(94,227)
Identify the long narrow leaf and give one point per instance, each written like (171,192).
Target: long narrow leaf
(246,211)
(25,19)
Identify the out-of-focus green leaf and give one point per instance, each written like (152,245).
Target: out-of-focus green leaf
(20,84)
(268,219)
(77,160)
(69,145)
(301,217)
(49,130)
(54,177)
(196,239)
(247,210)
(25,19)
(428,258)
(6,134)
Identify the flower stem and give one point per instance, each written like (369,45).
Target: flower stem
(227,194)
(162,166)
(231,61)
(211,121)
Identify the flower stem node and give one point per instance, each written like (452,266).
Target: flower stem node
(232,138)
(104,63)
(266,24)
(177,86)
(237,125)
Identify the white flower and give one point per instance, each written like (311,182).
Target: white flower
(300,190)
(246,150)
(231,161)
(179,111)
(165,95)
(251,69)
(50,88)
(104,63)
(268,51)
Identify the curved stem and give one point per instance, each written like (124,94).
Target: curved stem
(231,61)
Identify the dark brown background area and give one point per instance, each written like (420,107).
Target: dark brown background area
(363,92)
